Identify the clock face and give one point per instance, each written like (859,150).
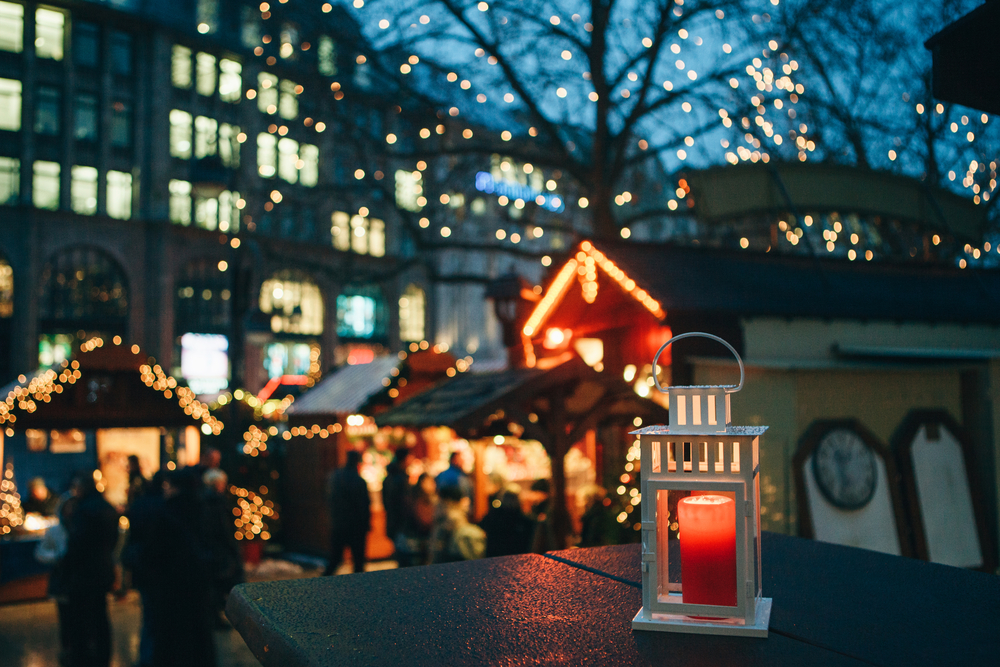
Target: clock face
(845,469)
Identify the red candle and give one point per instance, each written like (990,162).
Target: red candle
(707,526)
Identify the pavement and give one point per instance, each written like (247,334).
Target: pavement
(29,631)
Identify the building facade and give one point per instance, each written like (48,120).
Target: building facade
(162,182)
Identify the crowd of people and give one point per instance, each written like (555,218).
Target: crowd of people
(180,554)
(431,521)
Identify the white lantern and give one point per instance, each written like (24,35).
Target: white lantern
(701,516)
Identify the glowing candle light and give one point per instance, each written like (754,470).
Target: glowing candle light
(707,527)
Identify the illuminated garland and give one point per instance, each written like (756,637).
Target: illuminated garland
(250,513)
(628,490)
(40,388)
(312,431)
(269,409)
(11,512)
(583,265)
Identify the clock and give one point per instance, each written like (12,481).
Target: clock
(845,469)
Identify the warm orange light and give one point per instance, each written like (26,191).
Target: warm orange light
(555,338)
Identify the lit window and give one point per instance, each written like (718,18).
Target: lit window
(411,314)
(49,34)
(309,173)
(230,81)
(294,303)
(205,137)
(83,190)
(10,180)
(289,41)
(267,93)
(340,230)
(267,155)
(121,124)
(229,146)
(288,107)
(6,289)
(120,195)
(365,236)
(180,202)
(85,118)
(359,235)
(358,314)
(229,213)
(206,213)
(376,238)
(180,67)
(180,133)
(11,27)
(85,46)
(291,359)
(205,74)
(408,190)
(288,157)
(327,56)
(10,105)
(121,53)
(47,110)
(45,185)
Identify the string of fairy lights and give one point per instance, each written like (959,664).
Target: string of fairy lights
(628,489)
(252,512)
(11,512)
(764,122)
(28,393)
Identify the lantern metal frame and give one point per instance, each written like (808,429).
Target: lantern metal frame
(701,451)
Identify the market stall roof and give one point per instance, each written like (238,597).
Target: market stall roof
(461,400)
(371,387)
(966,59)
(105,385)
(471,402)
(345,391)
(660,278)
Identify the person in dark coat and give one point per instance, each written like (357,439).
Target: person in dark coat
(350,514)
(396,494)
(179,561)
(598,525)
(227,565)
(142,514)
(88,574)
(137,484)
(508,530)
(454,476)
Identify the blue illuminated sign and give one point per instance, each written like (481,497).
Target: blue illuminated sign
(486,183)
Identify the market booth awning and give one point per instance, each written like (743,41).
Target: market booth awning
(363,388)
(345,391)
(106,385)
(556,404)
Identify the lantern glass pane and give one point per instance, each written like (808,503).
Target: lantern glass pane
(711,548)
(755,552)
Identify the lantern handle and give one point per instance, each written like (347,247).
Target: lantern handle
(729,388)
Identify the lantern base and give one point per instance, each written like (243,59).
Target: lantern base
(728,626)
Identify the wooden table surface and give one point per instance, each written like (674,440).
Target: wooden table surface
(833,605)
